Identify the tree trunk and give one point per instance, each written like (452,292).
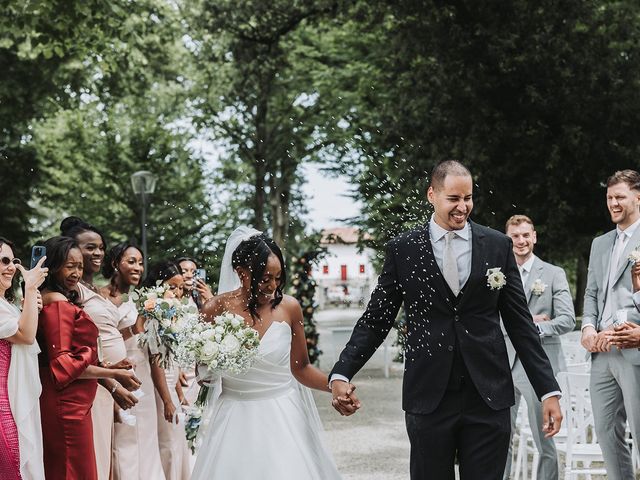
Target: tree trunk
(581,282)
(260,164)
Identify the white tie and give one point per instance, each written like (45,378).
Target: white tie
(450,265)
(607,312)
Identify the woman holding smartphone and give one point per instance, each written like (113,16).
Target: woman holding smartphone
(112,350)
(195,286)
(20,430)
(68,367)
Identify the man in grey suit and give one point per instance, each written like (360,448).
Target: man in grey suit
(615,373)
(550,303)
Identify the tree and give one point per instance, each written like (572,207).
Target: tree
(258,100)
(537,99)
(52,55)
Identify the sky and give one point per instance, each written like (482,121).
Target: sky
(327,198)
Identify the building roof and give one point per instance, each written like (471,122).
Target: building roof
(347,235)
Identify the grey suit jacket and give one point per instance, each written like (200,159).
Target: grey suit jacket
(622,290)
(556,302)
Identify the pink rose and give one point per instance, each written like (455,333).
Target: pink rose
(149,304)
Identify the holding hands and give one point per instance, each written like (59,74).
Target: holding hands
(344,400)
(626,335)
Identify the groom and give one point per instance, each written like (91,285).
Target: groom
(456,279)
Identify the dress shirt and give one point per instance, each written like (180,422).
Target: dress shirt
(461,245)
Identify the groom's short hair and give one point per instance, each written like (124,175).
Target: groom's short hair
(448,167)
(516,220)
(630,177)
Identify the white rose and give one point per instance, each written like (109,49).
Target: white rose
(218,337)
(496,279)
(209,351)
(235,322)
(230,344)
(219,320)
(219,330)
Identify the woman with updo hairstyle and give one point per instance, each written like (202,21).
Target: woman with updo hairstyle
(172,441)
(111,347)
(264,412)
(69,368)
(135,443)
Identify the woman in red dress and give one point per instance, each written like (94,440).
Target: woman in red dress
(68,368)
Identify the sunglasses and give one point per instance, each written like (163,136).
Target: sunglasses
(7,261)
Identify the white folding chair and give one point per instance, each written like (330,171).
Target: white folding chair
(581,448)
(574,353)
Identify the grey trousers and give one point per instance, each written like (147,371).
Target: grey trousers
(615,398)
(548,463)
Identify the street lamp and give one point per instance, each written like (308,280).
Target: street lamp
(143,183)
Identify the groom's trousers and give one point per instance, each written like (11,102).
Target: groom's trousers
(463,427)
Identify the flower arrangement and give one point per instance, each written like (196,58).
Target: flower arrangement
(226,345)
(192,425)
(495,278)
(634,256)
(538,287)
(166,318)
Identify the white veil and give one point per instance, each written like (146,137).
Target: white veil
(229,279)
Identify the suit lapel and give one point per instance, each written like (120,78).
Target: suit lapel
(534,274)
(632,243)
(440,284)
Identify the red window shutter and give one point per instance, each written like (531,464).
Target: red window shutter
(325,269)
(361,268)
(343,272)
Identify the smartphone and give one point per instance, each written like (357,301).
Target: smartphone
(37,252)
(201,273)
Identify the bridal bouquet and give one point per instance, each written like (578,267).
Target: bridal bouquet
(226,345)
(166,320)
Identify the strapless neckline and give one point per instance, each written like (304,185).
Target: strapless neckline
(269,328)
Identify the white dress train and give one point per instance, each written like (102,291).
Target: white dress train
(261,426)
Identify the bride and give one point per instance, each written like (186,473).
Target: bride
(263,424)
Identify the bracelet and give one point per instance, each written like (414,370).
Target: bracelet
(114,388)
(131,331)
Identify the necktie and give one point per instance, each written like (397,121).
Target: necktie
(450,265)
(607,313)
(523,276)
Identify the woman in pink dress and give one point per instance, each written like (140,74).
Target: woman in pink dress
(20,433)
(135,443)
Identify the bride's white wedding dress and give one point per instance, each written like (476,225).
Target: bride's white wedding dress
(261,426)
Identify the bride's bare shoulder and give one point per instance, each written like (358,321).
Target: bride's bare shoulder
(217,306)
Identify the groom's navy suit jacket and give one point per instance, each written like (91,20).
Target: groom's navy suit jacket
(442,326)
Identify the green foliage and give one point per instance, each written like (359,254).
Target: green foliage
(303,289)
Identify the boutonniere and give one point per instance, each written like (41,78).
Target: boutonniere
(634,256)
(495,278)
(538,287)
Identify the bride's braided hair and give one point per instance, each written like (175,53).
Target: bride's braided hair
(252,254)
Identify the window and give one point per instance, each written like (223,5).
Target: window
(325,269)
(343,272)
(361,268)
